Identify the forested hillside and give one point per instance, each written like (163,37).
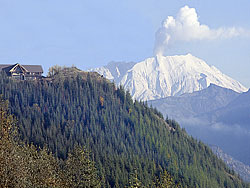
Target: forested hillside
(77,108)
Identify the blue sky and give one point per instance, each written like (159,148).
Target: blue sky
(92,33)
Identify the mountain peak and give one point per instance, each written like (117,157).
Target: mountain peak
(213,85)
(163,76)
(188,55)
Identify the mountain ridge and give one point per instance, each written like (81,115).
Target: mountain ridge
(216,115)
(193,104)
(163,76)
(123,134)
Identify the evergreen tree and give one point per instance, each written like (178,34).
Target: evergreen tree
(166,181)
(80,170)
(73,107)
(134,181)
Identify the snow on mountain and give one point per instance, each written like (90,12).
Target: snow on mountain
(163,76)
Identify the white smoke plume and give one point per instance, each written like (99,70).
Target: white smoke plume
(186,27)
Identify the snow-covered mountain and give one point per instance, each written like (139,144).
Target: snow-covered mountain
(164,76)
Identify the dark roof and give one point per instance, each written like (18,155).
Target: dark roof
(6,67)
(33,68)
(30,68)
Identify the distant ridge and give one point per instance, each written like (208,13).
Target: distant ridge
(216,115)
(190,105)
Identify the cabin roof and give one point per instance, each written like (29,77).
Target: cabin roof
(29,68)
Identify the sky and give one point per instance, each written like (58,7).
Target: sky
(91,34)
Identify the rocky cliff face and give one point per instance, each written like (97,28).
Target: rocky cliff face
(239,167)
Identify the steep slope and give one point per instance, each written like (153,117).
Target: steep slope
(86,109)
(190,105)
(161,76)
(242,169)
(215,115)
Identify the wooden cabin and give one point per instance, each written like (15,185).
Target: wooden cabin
(22,72)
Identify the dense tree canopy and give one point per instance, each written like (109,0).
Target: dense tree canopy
(74,108)
(23,165)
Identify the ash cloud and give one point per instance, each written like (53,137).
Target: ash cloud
(186,27)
